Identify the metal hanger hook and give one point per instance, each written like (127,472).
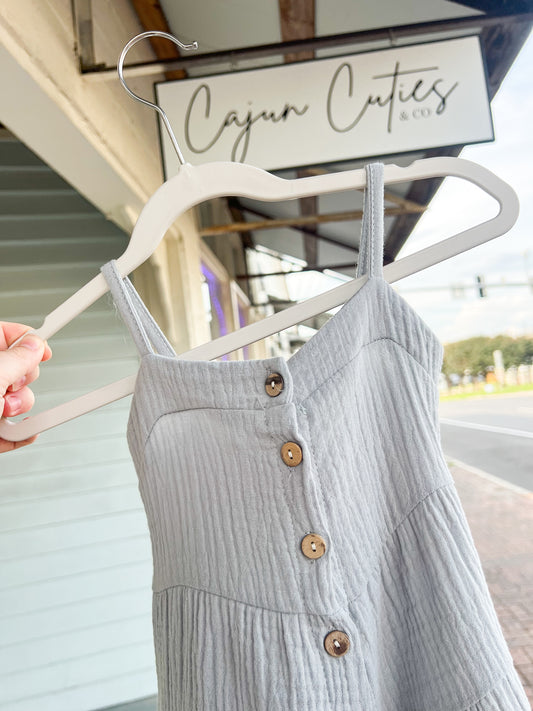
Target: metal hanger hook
(138,38)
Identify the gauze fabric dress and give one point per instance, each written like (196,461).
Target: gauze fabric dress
(310,551)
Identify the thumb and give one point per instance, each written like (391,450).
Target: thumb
(19,361)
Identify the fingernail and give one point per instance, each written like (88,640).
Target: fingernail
(32,343)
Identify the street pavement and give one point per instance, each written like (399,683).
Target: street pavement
(491,433)
(489,443)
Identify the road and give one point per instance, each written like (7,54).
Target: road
(491,433)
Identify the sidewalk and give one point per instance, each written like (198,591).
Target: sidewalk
(501,520)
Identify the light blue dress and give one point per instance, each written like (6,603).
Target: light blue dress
(310,551)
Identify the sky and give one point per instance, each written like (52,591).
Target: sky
(458,205)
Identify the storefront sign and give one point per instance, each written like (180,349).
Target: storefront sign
(373,104)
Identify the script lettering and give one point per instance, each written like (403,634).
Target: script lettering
(244,121)
(342,85)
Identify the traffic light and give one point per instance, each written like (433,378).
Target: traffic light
(481,288)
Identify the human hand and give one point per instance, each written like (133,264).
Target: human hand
(19,366)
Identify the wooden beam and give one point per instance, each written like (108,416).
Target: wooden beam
(204,59)
(301,220)
(312,232)
(297,22)
(410,205)
(152,17)
(315,268)
(83,21)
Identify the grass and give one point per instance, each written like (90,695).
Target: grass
(478,391)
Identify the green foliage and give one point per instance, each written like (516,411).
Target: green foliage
(475,354)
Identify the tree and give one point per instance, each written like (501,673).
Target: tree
(475,354)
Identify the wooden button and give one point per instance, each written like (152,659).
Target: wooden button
(313,545)
(274,384)
(291,453)
(337,643)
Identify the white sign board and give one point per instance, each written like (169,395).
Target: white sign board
(372,104)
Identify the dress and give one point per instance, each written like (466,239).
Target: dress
(310,551)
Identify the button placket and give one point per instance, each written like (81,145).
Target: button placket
(312,545)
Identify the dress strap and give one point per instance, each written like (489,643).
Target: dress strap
(143,328)
(371,244)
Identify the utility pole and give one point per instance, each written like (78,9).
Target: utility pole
(499,369)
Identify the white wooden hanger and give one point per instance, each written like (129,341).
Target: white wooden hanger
(196,184)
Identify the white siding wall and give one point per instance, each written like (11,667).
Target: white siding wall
(75,558)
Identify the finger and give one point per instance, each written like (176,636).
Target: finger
(19,361)
(25,380)
(19,402)
(47,352)
(10,332)
(7,446)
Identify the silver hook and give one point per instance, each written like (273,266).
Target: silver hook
(144,35)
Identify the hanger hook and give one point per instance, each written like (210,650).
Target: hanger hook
(138,38)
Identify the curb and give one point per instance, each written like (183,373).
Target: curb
(490,477)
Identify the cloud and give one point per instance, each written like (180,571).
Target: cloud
(507,310)
(458,206)
(510,314)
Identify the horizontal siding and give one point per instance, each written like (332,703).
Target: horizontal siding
(30,486)
(55,226)
(75,554)
(29,303)
(72,671)
(86,377)
(64,507)
(63,619)
(15,252)
(15,155)
(63,454)
(98,694)
(48,276)
(91,322)
(70,349)
(70,534)
(21,177)
(48,593)
(41,202)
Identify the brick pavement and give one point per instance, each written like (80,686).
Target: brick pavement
(500,517)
